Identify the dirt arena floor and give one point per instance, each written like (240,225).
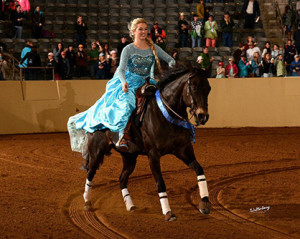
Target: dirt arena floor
(253,178)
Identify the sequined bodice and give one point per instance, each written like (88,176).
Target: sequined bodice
(140,65)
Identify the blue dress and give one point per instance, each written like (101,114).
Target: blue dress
(114,108)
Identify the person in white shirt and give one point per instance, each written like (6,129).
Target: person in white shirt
(250,52)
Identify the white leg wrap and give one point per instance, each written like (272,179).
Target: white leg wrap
(87,190)
(163,197)
(127,199)
(202,186)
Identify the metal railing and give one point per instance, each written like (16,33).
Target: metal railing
(279,20)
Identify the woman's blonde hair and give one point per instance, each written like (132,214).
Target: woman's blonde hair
(132,26)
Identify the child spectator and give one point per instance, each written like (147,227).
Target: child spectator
(196,27)
(17,21)
(80,61)
(92,57)
(231,69)
(255,67)
(244,66)
(51,63)
(211,28)
(113,63)
(205,61)
(103,67)
(276,51)
(38,21)
(295,66)
(81,29)
(268,66)
(220,70)
(227,28)
(267,49)
(280,66)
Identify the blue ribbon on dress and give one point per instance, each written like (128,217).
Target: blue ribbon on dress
(178,122)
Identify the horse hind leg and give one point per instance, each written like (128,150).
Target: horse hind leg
(129,162)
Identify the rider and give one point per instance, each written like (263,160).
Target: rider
(114,108)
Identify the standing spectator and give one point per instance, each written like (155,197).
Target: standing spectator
(38,21)
(161,43)
(17,21)
(92,57)
(80,61)
(267,49)
(276,51)
(288,19)
(25,50)
(81,29)
(220,70)
(3,68)
(250,52)
(183,31)
(71,55)
(251,11)
(295,66)
(51,63)
(231,69)
(57,51)
(64,68)
(124,42)
(25,5)
(211,34)
(113,63)
(106,51)
(268,66)
(196,27)
(249,40)
(201,11)
(244,66)
(205,61)
(289,53)
(238,52)
(297,39)
(280,66)
(103,67)
(227,28)
(255,67)
(157,31)
(33,60)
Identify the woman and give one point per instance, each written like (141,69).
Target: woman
(276,51)
(231,69)
(114,108)
(211,28)
(17,21)
(38,21)
(268,66)
(196,27)
(255,67)
(244,66)
(267,49)
(57,51)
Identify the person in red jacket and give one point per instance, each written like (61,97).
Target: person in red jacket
(156,32)
(231,69)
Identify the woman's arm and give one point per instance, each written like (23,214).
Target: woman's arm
(164,56)
(123,64)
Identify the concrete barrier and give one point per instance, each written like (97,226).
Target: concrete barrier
(45,106)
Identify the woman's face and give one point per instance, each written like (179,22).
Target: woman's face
(141,31)
(101,58)
(106,46)
(59,45)
(267,45)
(275,47)
(37,9)
(79,19)
(210,19)
(268,56)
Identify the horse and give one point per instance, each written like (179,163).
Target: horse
(178,89)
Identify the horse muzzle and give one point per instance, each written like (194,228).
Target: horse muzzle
(202,118)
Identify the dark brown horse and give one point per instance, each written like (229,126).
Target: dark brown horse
(179,89)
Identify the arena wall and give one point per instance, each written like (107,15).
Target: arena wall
(45,106)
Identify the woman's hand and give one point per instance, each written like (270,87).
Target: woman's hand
(125,87)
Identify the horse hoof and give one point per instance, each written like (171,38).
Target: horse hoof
(204,207)
(87,206)
(170,217)
(132,208)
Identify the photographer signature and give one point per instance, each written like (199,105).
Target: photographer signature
(262,209)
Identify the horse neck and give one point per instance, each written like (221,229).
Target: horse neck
(173,93)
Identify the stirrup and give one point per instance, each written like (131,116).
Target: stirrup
(122,144)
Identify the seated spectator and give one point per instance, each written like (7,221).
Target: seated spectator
(58,50)
(38,21)
(4,71)
(280,66)
(103,67)
(113,63)
(250,52)
(33,60)
(244,66)
(161,43)
(227,28)
(267,49)
(205,61)
(231,69)
(81,29)
(64,68)
(25,50)
(276,51)
(210,28)
(297,38)
(268,66)
(183,31)
(157,31)
(289,53)
(196,28)
(220,70)
(255,67)
(17,18)
(51,63)
(92,57)
(288,19)
(295,66)
(238,52)
(80,61)
(71,55)
(201,11)
(124,42)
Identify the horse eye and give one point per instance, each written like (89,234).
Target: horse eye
(194,88)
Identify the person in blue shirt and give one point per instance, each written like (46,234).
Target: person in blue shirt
(295,66)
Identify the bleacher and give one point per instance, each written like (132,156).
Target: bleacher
(107,20)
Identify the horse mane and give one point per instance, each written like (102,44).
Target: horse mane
(170,75)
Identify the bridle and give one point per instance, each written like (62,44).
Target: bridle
(192,100)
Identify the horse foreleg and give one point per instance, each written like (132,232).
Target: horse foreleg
(129,162)
(188,157)
(154,161)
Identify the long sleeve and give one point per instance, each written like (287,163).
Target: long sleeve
(165,56)
(123,64)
